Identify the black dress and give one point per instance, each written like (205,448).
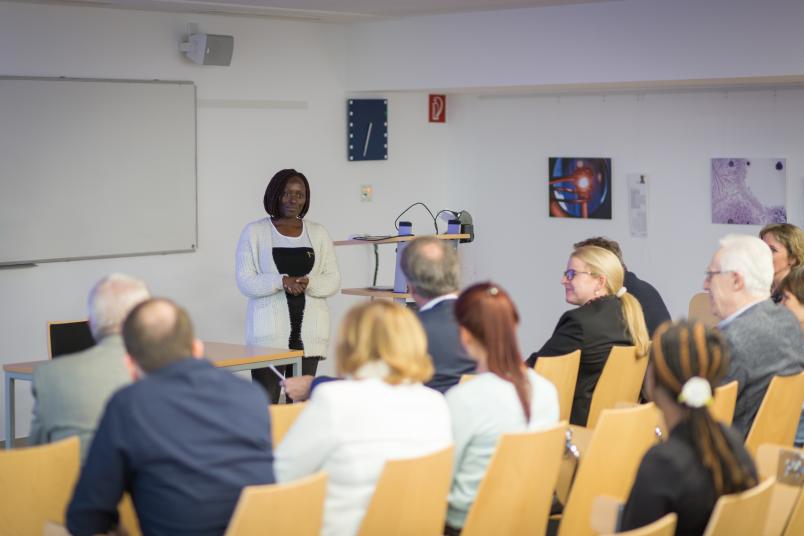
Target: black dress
(295,262)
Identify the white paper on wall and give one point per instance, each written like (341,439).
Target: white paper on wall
(638,204)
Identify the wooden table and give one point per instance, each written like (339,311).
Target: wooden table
(234,357)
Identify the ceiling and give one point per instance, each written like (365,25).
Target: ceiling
(318,10)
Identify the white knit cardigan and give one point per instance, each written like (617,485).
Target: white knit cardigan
(267,317)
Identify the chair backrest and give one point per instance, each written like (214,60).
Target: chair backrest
(562,370)
(410,497)
(466,377)
(664,526)
(609,464)
(36,484)
(741,513)
(128,516)
(725,398)
(292,508)
(795,524)
(620,381)
(787,465)
(282,418)
(701,310)
(777,419)
(68,337)
(516,493)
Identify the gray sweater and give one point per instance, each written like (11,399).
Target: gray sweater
(765,341)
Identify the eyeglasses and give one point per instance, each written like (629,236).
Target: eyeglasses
(570,274)
(710,274)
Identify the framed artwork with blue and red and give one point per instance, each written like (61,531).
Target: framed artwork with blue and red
(580,188)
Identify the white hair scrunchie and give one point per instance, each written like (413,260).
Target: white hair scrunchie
(696,393)
(621,292)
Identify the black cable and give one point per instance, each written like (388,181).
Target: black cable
(435,224)
(455,213)
(376,264)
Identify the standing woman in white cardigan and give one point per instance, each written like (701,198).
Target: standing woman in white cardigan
(286,267)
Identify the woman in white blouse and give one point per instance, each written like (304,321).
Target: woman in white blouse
(505,396)
(381,411)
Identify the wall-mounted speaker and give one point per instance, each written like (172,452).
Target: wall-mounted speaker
(209,49)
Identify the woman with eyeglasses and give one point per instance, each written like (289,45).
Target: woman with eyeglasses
(286,267)
(702,459)
(607,315)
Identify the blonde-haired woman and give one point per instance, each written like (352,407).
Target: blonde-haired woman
(380,411)
(786,242)
(607,315)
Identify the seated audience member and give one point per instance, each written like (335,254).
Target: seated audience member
(379,412)
(792,290)
(504,397)
(764,340)
(653,306)
(607,315)
(432,270)
(70,392)
(702,459)
(183,439)
(786,242)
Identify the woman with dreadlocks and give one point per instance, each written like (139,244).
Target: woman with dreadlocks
(702,459)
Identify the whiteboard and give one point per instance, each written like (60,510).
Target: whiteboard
(96,168)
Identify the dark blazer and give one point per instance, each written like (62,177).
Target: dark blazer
(649,298)
(593,328)
(183,441)
(444,345)
(765,341)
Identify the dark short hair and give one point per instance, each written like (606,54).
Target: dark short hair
(602,242)
(276,187)
(157,333)
(431,266)
(794,283)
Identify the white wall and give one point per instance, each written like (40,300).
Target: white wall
(238,150)
(501,148)
(627,41)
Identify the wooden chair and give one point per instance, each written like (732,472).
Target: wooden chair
(701,310)
(292,508)
(68,337)
(787,466)
(741,513)
(282,418)
(609,464)
(723,402)
(777,419)
(410,497)
(562,370)
(516,493)
(128,516)
(665,526)
(36,484)
(465,378)
(620,381)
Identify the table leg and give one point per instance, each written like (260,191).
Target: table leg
(297,367)
(8,425)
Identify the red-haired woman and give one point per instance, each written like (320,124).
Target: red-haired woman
(505,397)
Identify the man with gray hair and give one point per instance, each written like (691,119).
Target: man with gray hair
(433,273)
(431,268)
(70,392)
(764,339)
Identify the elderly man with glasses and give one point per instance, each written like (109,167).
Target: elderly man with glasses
(764,339)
